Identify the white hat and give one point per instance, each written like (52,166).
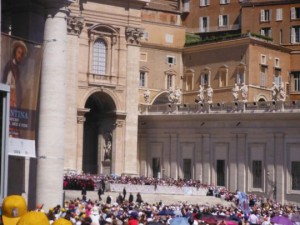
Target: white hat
(108,220)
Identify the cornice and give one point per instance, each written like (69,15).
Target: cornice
(161,47)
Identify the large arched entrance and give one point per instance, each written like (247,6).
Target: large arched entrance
(98,134)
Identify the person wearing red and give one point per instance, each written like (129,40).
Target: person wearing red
(133,219)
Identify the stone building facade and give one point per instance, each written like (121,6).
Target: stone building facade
(101,59)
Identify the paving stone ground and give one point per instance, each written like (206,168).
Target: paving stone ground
(153,198)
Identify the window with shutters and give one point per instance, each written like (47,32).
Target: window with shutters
(265,15)
(223,20)
(295,84)
(263,76)
(266,31)
(295,35)
(295,13)
(205,77)
(204,3)
(278,14)
(204,24)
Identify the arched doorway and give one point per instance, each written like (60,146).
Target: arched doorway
(98,134)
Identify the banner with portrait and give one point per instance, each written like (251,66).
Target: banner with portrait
(21,68)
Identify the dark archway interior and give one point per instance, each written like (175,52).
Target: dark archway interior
(100,120)
(162,99)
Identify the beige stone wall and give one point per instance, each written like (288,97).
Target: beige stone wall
(236,138)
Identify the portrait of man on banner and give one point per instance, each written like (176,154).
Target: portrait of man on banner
(20,69)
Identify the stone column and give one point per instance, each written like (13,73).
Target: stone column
(278,187)
(51,142)
(241,162)
(206,159)
(132,98)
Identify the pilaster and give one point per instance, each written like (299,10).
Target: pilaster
(206,159)
(132,99)
(241,162)
(278,188)
(117,166)
(174,155)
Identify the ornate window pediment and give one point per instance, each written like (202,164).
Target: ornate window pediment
(103,43)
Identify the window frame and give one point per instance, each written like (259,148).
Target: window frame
(265,15)
(201,25)
(100,68)
(221,20)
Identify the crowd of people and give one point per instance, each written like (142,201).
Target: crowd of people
(134,211)
(129,210)
(77,181)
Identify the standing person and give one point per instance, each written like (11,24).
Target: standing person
(108,200)
(83,193)
(139,198)
(130,198)
(124,193)
(12,75)
(100,192)
(103,185)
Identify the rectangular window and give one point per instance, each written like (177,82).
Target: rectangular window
(223,2)
(156,167)
(296,78)
(187,168)
(257,173)
(295,175)
(276,62)
(220,172)
(263,76)
(142,79)
(278,14)
(204,24)
(222,78)
(146,35)
(295,13)
(295,34)
(169,38)
(223,20)
(266,32)
(170,60)
(204,79)
(277,78)
(186,6)
(203,2)
(263,59)
(265,15)
(239,78)
(169,81)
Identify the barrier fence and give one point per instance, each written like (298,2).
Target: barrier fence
(150,189)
